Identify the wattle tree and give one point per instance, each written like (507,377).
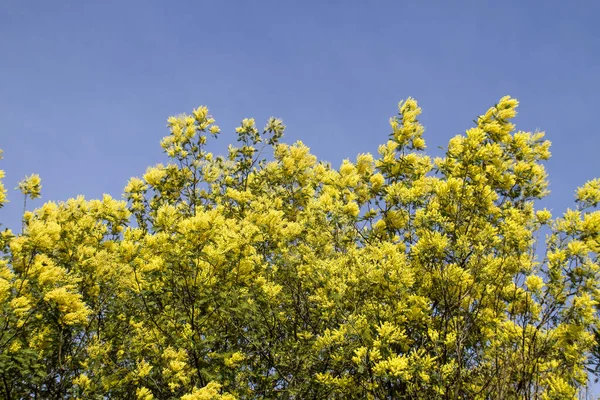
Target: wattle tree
(266,273)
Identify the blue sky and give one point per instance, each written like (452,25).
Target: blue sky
(86,87)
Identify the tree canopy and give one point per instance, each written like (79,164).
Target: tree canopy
(266,273)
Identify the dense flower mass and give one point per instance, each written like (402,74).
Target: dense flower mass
(254,276)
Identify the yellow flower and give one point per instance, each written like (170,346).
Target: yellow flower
(377,181)
(143,369)
(82,381)
(144,394)
(215,129)
(154,175)
(352,209)
(543,216)
(31,186)
(234,359)
(534,283)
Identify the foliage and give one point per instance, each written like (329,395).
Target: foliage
(242,276)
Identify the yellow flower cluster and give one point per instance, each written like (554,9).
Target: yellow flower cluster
(31,186)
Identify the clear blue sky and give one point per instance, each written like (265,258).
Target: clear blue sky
(86,86)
